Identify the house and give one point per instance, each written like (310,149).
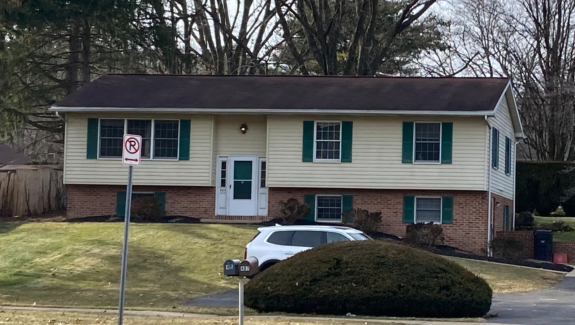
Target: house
(233,147)
(9,156)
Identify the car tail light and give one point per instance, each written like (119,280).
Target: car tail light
(245,253)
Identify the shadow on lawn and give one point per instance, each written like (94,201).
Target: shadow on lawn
(93,281)
(199,231)
(6,227)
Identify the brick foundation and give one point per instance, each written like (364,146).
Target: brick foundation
(498,218)
(98,200)
(468,231)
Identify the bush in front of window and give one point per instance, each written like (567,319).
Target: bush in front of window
(362,220)
(524,220)
(369,278)
(424,234)
(146,209)
(506,248)
(292,210)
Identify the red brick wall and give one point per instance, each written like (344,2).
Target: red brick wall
(97,200)
(526,237)
(498,218)
(565,247)
(468,231)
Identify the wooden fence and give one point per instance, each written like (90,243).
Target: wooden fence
(28,190)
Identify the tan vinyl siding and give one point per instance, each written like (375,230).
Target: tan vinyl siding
(501,183)
(376,159)
(229,140)
(193,172)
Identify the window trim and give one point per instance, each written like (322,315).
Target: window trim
(317,207)
(152,137)
(428,197)
(429,162)
(507,156)
(265,179)
(331,161)
(494,162)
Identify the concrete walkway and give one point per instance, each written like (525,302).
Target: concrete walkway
(190,315)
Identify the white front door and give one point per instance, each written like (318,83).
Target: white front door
(243,179)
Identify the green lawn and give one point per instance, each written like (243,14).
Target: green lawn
(77,265)
(558,236)
(504,278)
(19,317)
(65,264)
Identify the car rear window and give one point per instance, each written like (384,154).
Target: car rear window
(308,238)
(359,236)
(283,238)
(256,236)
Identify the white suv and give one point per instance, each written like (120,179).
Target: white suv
(273,244)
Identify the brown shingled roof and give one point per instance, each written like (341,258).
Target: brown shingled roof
(289,93)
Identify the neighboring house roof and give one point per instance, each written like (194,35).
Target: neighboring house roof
(9,156)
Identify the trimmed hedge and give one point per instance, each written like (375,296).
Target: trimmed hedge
(370,278)
(543,187)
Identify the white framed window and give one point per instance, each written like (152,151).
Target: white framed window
(327,141)
(160,138)
(428,209)
(427,142)
(328,208)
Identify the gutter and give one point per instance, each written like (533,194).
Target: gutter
(264,111)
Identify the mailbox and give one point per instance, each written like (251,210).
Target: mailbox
(232,267)
(249,267)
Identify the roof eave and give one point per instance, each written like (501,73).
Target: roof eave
(263,111)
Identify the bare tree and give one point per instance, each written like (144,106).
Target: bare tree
(533,42)
(343,37)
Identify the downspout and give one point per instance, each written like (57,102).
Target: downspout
(60,117)
(489,207)
(514,182)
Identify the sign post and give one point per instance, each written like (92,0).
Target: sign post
(131,156)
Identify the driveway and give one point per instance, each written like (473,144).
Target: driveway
(541,307)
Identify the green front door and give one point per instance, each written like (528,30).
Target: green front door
(242,187)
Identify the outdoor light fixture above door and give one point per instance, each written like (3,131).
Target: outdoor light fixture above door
(244,128)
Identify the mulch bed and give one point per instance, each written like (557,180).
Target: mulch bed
(443,249)
(110,218)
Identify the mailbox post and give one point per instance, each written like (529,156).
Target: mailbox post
(242,269)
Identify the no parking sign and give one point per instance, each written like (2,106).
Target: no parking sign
(132,150)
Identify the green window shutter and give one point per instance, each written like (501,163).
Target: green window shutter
(446,142)
(447,209)
(307,149)
(309,199)
(495,148)
(407,151)
(92,144)
(346,141)
(507,156)
(120,204)
(408,206)
(347,203)
(161,197)
(185,130)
